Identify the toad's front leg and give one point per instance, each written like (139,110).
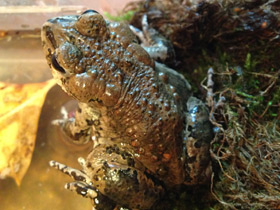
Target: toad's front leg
(79,127)
(110,174)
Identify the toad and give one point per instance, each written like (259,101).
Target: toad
(149,133)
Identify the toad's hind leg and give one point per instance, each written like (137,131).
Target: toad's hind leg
(199,133)
(113,173)
(157,46)
(83,186)
(118,176)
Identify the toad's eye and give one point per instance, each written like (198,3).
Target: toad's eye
(56,65)
(90,11)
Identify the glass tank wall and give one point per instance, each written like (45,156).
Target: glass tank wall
(22,61)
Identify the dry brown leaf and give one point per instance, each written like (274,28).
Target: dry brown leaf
(20,108)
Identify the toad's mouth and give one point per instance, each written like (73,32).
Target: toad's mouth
(49,45)
(56,65)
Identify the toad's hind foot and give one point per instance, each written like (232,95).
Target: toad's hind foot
(117,175)
(83,186)
(99,201)
(157,46)
(73,173)
(199,133)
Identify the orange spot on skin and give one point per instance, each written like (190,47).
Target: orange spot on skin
(135,143)
(166,157)
(236,9)
(264,25)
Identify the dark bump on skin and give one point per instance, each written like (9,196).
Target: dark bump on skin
(105,164)
(77,178)
(192,159)
(95,177)
(197,144)
(64,81)
(109,150)
(89,165)
(89,122)
(64,170)
(80,190)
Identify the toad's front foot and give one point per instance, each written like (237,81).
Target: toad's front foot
(77,126)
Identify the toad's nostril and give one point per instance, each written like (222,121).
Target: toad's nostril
(89,11)
(56,65)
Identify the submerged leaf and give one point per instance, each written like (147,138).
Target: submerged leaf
(20,108)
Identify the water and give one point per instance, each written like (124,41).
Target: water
(42,188)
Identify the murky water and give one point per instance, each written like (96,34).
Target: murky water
(42,188)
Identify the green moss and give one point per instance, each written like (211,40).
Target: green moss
(250,64)
(123,17)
